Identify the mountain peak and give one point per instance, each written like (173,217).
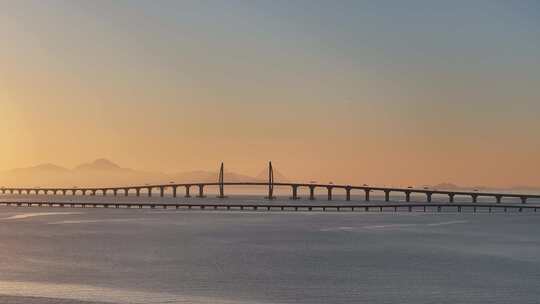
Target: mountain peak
(99,164)
(44,167)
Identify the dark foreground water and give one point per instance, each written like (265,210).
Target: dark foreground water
(54,255)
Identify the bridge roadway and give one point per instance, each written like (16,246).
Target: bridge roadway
(456,207)
(330,189)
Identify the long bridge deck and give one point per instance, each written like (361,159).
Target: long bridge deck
(330,189)
(410,207)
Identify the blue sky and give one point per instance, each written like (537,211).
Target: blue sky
(452,77)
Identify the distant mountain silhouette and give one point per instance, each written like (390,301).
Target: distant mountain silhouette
(40,168)
(103,172)
(209,176)
(101,164)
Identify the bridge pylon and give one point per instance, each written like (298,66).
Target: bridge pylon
(221,182)
(270,181)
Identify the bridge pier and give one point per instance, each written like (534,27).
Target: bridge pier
(312,193)
(201,191)
(93,192)
(428,195)
(387,195)
(161,191)
(149,191)
(367,191)
(115,192)
(451,197)
(348,193)
(294,192)
(407,196)
(138,191)
(174,190)
(498,198)
(187,191)
(474,198)
(329,193)
(523,200)
(126,192)
(104,192)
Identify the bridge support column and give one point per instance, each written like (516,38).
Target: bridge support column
(523,199)
(174,190)
(270,182)
(428,196)
(312,193)
(115,192)
(93,192)
(407,196)
(348,193)
(201,191)
(474,198)
(187,191)
(161,191)
(498,198)
(367,191)
(451,197)
(126,192)
(104,192)
(294,192)
(387,195)
(138,191)
(149,191)
(221,181)
(329,193)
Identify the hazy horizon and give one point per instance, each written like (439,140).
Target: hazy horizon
(379,92)
(103,172)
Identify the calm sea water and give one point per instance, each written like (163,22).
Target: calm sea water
(74,255)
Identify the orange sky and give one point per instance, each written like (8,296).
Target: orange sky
(150,93)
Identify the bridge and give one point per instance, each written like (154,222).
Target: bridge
(410,207)
(271,184)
